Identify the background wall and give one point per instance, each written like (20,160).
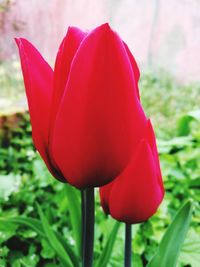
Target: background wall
(161,34)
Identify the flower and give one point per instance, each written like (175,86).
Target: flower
(136,193)
(86,115)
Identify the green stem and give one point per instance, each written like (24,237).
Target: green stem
(128,247)
(88,233)
(83,219)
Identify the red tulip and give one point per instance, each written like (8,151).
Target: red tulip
(136,193)
(86,115)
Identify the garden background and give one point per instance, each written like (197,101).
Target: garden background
(164,37)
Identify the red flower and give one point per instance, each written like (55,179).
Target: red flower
(136,193)
(86,116)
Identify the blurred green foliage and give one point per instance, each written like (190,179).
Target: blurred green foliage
(25,181)
(165,101)
(12,97)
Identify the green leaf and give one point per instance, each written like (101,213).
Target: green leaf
(173,238)
(190,252)
(36,225)
(107,251)
(30,222)
(24,264)
(195,114)
(136,260)
(47,251)
(53,240)
(74,258)
(7,231)
(180,142)
(184,125)
(184,122)
(29,261)
(73,196)
(9,184)
(195,183)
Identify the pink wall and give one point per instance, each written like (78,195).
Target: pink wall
(161,34)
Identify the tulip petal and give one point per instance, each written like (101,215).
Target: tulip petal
(136,194)
(100,119)
(135,68)
(38,79)
(150,135)
(65,55)
(104,192)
